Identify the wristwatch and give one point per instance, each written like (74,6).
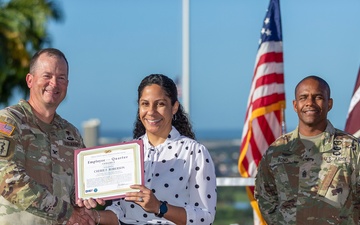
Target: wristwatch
(162,210)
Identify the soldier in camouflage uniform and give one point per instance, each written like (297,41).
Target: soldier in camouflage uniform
(36,150)
(310,175)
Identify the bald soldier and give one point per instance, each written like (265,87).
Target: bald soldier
(36,150)
(310,175)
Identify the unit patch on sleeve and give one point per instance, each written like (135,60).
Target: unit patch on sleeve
(6,128)
(4,147)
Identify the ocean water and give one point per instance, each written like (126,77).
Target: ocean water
(201,135)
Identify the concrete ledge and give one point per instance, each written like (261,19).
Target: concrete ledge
(235,181)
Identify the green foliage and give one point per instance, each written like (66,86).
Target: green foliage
(226,211)
(22,32)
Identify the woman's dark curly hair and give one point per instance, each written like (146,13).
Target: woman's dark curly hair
(180,120)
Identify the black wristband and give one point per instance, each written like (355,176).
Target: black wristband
(162,210)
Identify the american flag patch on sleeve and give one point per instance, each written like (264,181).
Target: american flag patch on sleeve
(6,128)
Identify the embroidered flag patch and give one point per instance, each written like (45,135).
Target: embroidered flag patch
(6,128)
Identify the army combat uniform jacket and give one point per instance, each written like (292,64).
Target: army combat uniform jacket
(36,167)
(295,185)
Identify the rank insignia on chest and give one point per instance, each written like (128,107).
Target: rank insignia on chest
(4,147)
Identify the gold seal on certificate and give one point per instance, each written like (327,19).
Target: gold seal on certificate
(108,171)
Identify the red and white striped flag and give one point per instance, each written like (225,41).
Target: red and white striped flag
(264,120)
(352,121)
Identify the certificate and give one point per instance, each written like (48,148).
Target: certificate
(108,171)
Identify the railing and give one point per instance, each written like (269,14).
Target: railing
(234,181)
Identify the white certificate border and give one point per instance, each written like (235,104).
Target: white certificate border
(136,146)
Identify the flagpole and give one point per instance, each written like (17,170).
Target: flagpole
(185,57)
(283,123)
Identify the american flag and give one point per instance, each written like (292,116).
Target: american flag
(6,128)
(264,120)
(352,122)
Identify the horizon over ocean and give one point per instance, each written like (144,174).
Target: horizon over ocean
(223,145)
(201,134)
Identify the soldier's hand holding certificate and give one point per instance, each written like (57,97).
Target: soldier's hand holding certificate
(108,171)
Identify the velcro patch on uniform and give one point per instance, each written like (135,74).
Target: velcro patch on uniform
(327,180)
(4,147)
(6,128)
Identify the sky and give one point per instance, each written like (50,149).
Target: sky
(112,45)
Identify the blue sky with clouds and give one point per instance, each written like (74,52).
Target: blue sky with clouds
(111,45)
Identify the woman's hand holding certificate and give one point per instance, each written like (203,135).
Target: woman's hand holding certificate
(108,171)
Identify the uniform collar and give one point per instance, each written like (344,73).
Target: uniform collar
(327,136)
(31,116)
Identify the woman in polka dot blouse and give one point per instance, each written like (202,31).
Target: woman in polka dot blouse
(180,181)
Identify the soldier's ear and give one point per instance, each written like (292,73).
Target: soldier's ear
(330,104)
(295,105)
(29,79)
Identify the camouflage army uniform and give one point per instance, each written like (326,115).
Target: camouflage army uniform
(295,185)
(36,167)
